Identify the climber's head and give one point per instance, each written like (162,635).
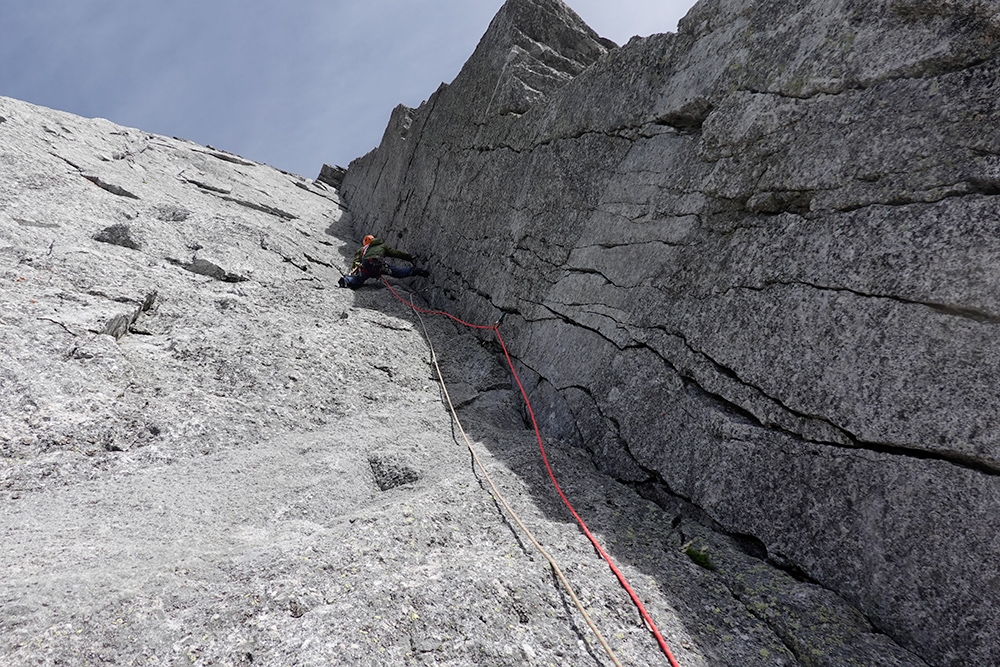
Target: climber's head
(368,239)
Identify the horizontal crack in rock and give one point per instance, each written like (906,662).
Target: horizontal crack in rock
(947,456)
(967,312)
(317,261)
(208,186)
(919,71)
(628,132)
(67,161)
(264,208)
(971,187)
(227,158)
(109,187)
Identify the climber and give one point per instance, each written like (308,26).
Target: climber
(370,262)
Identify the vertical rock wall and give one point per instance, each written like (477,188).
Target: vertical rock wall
(757,262)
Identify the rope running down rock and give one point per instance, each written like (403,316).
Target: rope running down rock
(583,526)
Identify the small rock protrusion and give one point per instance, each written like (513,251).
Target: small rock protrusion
(333,176)
(689,117)
(168,213)
(296,608)
(204,267)
(118,234)
(121,324)
(391,471)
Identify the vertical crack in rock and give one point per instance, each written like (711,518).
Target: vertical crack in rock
(617,433)
(778,594)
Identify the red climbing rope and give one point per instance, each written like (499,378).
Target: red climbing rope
(437,312)
(545,459)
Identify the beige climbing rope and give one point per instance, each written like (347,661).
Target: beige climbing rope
(499,497)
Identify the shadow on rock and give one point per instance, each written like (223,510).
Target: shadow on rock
(713,594)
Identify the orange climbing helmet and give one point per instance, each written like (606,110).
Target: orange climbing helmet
(368,239)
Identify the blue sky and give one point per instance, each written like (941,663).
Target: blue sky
(294,83)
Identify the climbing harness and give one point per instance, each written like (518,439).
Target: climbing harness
(495,328)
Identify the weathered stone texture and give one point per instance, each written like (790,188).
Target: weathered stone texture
(210,456)
(757,260)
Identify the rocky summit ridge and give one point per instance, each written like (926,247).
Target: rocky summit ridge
(751,266)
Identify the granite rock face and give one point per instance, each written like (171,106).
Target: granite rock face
(754,264)
(211,455)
